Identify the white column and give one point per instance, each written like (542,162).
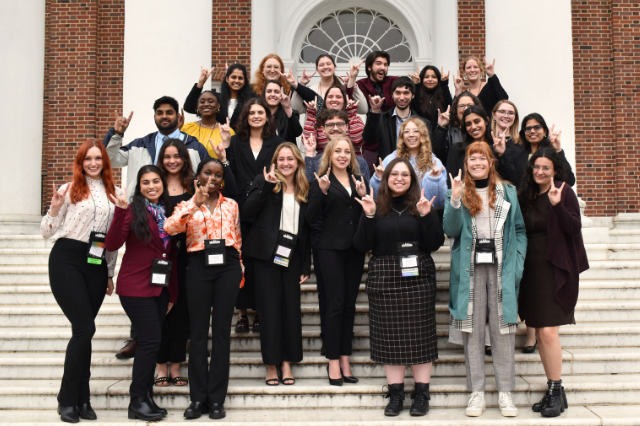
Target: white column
(22,25)
(445,38)
(263,30)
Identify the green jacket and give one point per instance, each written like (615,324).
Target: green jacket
(457,224)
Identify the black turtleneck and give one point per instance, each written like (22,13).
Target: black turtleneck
(482,183)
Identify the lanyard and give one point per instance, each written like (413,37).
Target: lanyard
(93,227)
(294,231)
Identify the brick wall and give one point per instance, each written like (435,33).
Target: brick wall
(471,30)
(231,41)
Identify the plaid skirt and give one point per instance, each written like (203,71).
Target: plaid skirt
(402,312)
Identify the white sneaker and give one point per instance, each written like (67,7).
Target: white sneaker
(476,404)
(506,405)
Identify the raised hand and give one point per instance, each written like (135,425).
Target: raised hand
(456,185)
(499,143)
(306,78)
(120,201)
(221,153)
(554,138)
(290,78)
(351,104)
(443,76)
(121,124)
(354,69)
(285,101)
(376,103)
(379,169)
(458,83)
(324,181)
(204,75)
(489,67)
(202,192)
(345,79)
(361,188)
(435,171)
(271,176)
(225,133)
(424,205)
(368,204)
(58,200)
(219,75)
(444,117)
(181,119)
(313,105)
(416,76)
(309,145)
(555,194)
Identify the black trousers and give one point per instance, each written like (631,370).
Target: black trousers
(342,270)
(322,301)
(247,294)
(79,288)
(278,297)
(211,293)
(147,316)
(175,330)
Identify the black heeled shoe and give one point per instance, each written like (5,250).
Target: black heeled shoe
(348,379)
(530,349)
(216,411)
(68,414)
(139,408)
(86,412)
(196,409)
(334,382)
(155,406)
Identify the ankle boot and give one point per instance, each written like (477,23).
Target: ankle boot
(140,408)
(420,397)
(68,414)
(153,405)
(538,406)
(396,398)
(555,402)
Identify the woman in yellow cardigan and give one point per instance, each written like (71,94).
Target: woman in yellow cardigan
(207,130)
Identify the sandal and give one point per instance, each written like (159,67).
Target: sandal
(162,380)
(272,382)
(178,379)
(288,379)
(242,326)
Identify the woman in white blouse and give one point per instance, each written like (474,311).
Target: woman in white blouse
(80,269)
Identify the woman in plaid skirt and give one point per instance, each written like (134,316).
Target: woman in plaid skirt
(402,229)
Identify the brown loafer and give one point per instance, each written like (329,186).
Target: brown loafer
(128,350)
(242,326)
(256,323)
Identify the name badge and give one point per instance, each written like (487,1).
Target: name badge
(284,248)
(97,251)
(215,252)
(485,251)
(408,253)
(160,272)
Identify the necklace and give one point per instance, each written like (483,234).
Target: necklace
(207,127)
(399,213)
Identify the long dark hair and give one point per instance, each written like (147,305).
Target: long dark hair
(467,139)
(529,189)
(243,94)
(544,142)
(140,225)
(186,174)
(385,197)
(454,106)
(279,114)
(243,130)
(430,98)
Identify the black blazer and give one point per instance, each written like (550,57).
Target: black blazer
(264,207)
(289,128)
(245,166)
(340,213)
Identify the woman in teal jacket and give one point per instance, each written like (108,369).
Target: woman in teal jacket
(483,217)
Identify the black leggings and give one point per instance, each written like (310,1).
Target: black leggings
(247,294)
(79,289)
(211,287)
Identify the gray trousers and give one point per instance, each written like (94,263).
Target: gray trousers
(485,306)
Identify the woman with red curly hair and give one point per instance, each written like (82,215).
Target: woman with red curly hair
(271,68)
(80,269)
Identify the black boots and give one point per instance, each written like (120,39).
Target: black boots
(396,397)
(216,411)
(68,414)
(196,409)
(86,412)
(420,397)
(141,408)
(556,400)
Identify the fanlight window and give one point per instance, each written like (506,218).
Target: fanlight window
(354,33)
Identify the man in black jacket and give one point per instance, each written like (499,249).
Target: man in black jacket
(382,129)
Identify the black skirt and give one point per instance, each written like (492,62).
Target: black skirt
(402,312)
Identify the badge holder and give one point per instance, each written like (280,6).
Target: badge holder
(215,252)
(408,253)
(284,248)
(485,251)
(160,272)
(96,252)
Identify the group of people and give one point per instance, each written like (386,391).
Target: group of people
(225,213)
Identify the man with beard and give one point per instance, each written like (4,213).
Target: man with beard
(382,128)
(144,151)
(378,83)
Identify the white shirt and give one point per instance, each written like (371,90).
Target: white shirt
(233,103)
(290,214)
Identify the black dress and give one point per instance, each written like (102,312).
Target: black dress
(537,304)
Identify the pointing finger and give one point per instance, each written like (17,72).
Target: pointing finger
(130,116)
(451,177)
(431,202)
(273,169)
(422,193)
(562,187)
(459,173)
(316,175)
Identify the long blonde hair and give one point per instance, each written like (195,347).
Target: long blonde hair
(325,161)
(424,161)
(513,130)
(301,190)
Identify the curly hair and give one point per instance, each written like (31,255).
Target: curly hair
(424,161)
(454,106)
(529,189)
(470,197)
(384,201)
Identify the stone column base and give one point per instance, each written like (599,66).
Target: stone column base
(26,224)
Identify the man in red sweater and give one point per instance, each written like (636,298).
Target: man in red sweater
(378,83)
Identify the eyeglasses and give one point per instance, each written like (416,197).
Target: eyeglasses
(340,125)
(462,107)
(504,112)
(534,128)
(397,175)
(411,132)
(544,168)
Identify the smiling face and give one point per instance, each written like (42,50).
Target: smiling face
(208,105)
(378,70)
(273,94)
(472,70)
(286,163)
(411,136)
(257,116)
(430,79)
(325,67)
(271,69)
(335,127)
(166,119)
(543,172)
(92,164)
(341,157)
(505,115)
(536,132)
(478,166)
(476,126)
(215,170)
(151,187)
(172,161)
(399,179)
(235,80)
(334,99)
(402,97)
(463,103)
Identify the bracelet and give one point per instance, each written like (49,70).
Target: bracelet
(226,163)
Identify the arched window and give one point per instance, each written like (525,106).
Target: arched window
(354,33)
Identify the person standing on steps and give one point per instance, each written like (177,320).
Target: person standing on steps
(280,243)
(287,119)
(270,69)
(80,269)
(555,257)
(489,92)
(487,258)
(402,228)
(214,277)
(208,130)
(377,82)
(332,197)
(432,92)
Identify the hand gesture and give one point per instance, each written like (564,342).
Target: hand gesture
(121,123)
(221,153)
(458,83)
(456,185)
(554,138)
(444,117)
(219,75)
(306,78)
(361,188)
(121,201)
(351,104)
(204,75)
(313,105)
(271,176)
(324,181)
(290,78)
(424,205)
(368,204)
(354,69)
(225,133)
(309,145)
(345,79)
(489,67)
(285,101)
(181,119)
(376,103)
(435,171)
(555,194)
(379,169)
(303,278)
(58,200)
(416,76)
(109,291)
(202,192)
(499,143)
(443,76)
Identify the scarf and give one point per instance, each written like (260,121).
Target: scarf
(157,211)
